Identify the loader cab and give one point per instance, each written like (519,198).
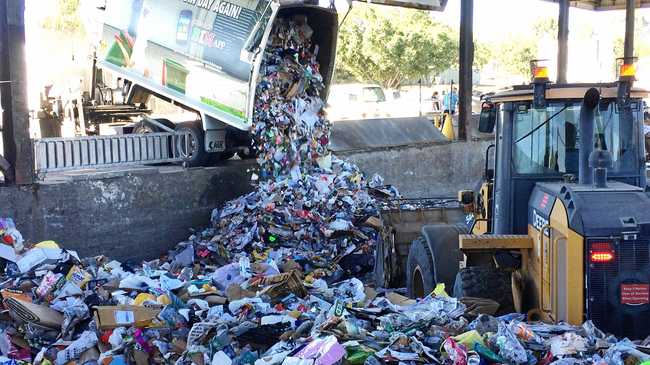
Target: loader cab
(538,136)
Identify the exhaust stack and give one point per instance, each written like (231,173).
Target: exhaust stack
(600,161)
(589,104)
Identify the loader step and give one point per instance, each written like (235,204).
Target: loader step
(495,241)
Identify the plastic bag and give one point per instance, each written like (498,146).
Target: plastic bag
(509,347)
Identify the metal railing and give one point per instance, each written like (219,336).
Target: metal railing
(62,154)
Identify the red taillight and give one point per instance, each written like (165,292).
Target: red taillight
(601,252)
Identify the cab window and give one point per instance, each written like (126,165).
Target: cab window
(547,141)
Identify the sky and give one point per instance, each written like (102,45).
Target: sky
(495,20)
(591,34)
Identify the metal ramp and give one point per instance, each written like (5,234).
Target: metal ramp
(62,154)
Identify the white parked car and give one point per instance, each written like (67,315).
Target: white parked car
(357,101)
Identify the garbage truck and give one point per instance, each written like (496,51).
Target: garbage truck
(197,60)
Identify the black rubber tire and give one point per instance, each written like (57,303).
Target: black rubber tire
(420,274)
(197,155)
(486,282)
(443,243)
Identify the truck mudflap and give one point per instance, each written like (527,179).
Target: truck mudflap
(215,140)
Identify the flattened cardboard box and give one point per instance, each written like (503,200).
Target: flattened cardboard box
(108,317)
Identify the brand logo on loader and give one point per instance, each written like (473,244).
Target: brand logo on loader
(539,221)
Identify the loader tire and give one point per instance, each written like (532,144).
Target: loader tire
(486,282)
(420,274)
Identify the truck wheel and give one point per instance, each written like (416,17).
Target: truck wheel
(486,282)
(195,155)
(420,275)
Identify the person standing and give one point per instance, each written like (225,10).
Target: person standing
(450,100)
(436,107)
(435,100)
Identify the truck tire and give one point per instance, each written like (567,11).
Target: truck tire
(420,274)
(196,156)
(486,282)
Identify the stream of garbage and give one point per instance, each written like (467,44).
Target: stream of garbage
(281,276)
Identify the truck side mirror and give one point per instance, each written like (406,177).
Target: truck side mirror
(488,117)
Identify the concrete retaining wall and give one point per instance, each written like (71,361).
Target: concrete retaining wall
(134,215)
(425,170)
(143,212)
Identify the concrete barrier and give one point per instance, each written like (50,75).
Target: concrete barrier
(140,213)
(426,169)
(377,133)
(132,215)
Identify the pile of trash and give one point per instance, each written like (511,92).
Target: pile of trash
(289,126)
(186,308)
(275,279)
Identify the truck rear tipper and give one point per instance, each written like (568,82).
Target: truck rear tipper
(196,59)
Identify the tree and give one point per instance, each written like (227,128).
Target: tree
(482,55)
(515,56)
(545,26)
(66,19)
(391,46)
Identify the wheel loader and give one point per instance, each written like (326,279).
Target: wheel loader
(559,228)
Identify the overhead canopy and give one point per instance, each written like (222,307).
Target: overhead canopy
(433,5)
(604,4)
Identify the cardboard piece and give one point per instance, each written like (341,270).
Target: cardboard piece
(109,317)
(16,294)
(400,300)
(236,292)
(373,222)
(34,313)
(282,285)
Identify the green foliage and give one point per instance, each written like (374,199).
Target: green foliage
(482,55)
(545,26)
(391,46)
(515,56)
(66,19)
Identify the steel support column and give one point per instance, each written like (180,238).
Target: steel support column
(562,41)
(628,52)
(18,148)
(466,60)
